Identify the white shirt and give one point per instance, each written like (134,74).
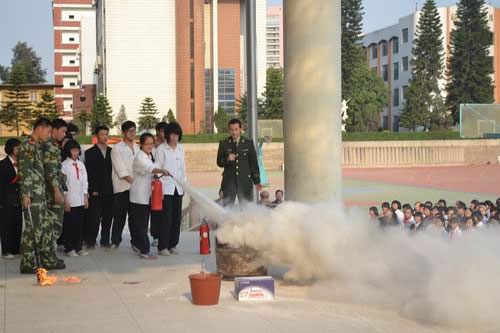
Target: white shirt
(140,190)
(76,182)
(172,160)
(399,216)
(14,163)
(122,158)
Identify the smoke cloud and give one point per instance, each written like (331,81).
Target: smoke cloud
(423,276)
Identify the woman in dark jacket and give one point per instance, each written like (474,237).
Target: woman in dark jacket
(11,223)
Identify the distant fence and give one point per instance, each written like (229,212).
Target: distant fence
(367,154)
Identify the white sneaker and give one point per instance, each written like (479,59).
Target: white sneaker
(164,252)
(8,256)
(146,256)
(83,253)
(71,253)
(155,242)
(135,249)
(173,251)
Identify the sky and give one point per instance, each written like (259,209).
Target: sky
(31,21)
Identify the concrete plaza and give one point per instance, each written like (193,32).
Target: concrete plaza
(121,293)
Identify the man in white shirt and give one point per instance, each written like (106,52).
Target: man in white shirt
(122,158)
(170,156)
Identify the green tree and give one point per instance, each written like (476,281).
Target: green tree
(424,105)
(242,108)
(46,107)
(25,57)
(221,119)
(121,117)
(148,115)
(170,116)
(272,99)
(17,108)
(102,114)
(364,92)
(82,120)
(470,67)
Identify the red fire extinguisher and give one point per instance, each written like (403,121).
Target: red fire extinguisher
(156,195)
(204,239)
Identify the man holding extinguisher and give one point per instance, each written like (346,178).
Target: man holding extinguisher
(238,157)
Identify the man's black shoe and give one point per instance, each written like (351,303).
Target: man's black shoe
(59,265)
(27,270)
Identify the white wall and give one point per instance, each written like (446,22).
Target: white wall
(140,54)
(88,48)
(67,58)
(77,13)
(72,37)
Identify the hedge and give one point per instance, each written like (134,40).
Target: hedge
(367,136)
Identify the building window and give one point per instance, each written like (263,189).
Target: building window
(396,71)
(374,52)
(72,39)
(384,49)
(385,123)
(395,46)
(405,64)
(33,96)
(72,17)
(405,92)
(395,124)
(385,73)
(395,97)
(72,84)
(227,93)
(72,62)
(405,35)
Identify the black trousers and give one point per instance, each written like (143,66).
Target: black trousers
(139,215)
(170,225)
(155,224)
(231,192)
(11,227)
(121,208)
(100,212)
(73,225)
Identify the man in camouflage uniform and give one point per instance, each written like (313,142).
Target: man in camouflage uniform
(55,181)
(33,196)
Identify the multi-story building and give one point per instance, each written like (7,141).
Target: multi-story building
(274,37)
(188,55)
(389,53)
(74,53)
(32,95)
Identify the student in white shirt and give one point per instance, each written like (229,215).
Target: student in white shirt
(75,200)
(122,157)
(156,216)
(140,193)
(171,157)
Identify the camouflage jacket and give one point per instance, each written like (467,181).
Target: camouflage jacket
(52,168)
(31,173)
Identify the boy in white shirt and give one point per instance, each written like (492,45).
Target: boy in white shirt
(122,158)
(75,200)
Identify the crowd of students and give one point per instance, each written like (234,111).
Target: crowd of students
(447,220)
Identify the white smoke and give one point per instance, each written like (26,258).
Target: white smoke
(423,277)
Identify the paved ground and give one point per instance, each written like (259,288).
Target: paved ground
(366,187)
(121,293)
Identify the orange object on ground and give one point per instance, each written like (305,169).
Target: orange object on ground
(72,279)
(205,288)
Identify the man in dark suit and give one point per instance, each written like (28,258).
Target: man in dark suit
(10,204)
(99,169)
(238,157)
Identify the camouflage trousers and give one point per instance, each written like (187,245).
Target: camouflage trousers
(43,233)
(55,215)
